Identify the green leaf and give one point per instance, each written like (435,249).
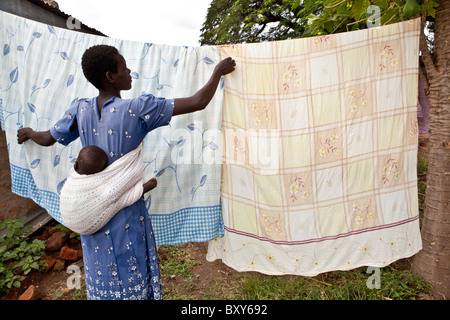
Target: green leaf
(430,8)
(389,15)
(308,4)
(333,3)
(359,8)
(297,4)
(329,26)
(383,4)
(73,235)
(312,18)
(9,233)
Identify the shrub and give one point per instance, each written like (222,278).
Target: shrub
(18,254)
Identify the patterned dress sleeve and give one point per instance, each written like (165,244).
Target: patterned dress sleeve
(154,112)
(61,130)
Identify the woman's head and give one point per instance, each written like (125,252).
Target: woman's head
(101,59)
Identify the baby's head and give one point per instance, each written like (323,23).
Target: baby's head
(91,159)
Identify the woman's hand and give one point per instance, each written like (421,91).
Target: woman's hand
(24,134)
(43,138)
(202,97)
(225,66)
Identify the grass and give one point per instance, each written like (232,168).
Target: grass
(179,264)
(397,282)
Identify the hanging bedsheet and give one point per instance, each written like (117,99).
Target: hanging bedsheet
(41,77)
(320,149)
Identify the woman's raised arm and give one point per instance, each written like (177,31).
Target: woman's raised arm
(201,98)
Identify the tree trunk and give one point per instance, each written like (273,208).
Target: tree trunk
(433,261)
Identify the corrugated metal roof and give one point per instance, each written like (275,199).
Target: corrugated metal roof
(64,15)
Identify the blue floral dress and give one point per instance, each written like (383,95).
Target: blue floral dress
(120,260)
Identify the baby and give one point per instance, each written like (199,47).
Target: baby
(93,159)
(94,192)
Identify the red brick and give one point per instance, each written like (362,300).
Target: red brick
(29,294)
(50,263)
(56,241)
(67,253)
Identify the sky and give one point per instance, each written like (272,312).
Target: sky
(172,22)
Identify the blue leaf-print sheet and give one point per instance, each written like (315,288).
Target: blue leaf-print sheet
(41,77)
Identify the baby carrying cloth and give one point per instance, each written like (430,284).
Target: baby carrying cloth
(88,202)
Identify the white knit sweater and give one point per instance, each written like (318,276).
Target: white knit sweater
(88,202)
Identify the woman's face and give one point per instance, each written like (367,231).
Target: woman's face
(122,76)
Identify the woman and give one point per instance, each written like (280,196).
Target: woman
(120,260)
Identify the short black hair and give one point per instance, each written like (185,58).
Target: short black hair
(91,159)
(96,61)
